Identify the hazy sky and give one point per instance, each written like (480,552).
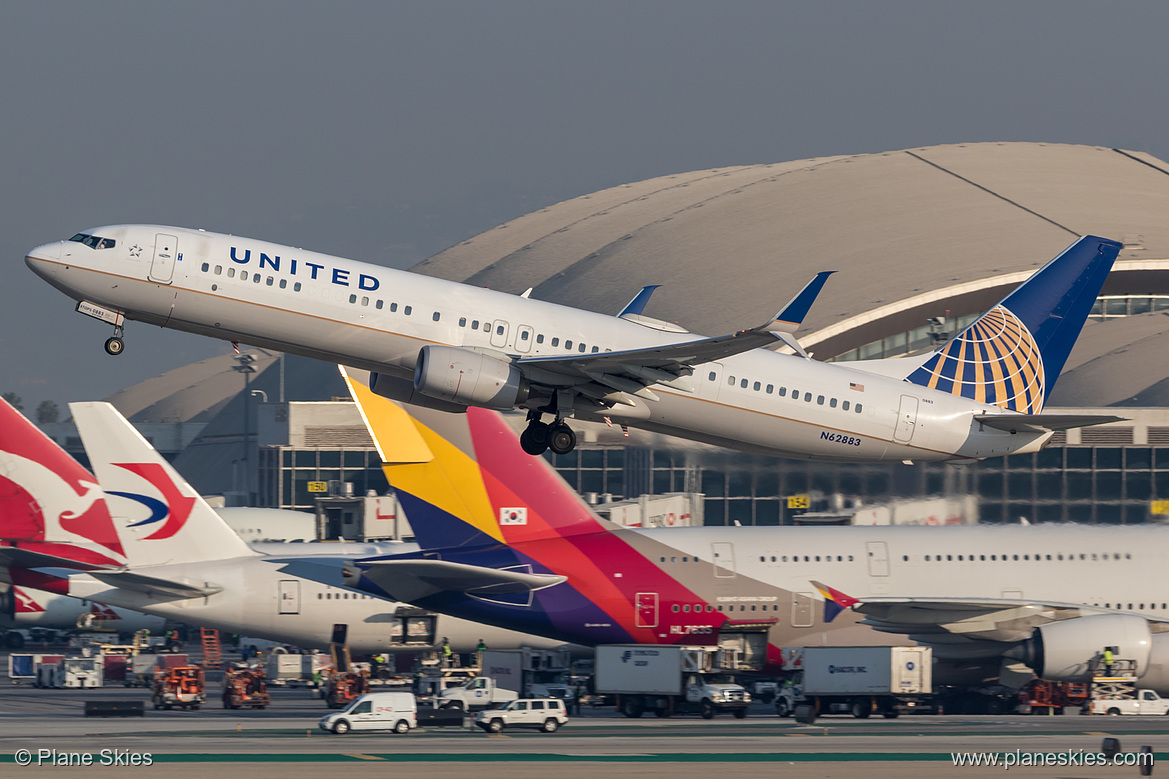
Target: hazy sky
(387,131)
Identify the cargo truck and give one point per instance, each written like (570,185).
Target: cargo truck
(668,680)
(861,680)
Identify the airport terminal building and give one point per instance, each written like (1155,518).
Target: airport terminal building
(923,241)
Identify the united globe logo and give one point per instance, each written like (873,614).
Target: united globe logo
(994,361)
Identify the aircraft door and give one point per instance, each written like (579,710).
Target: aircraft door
(646,606)
(499,330)
(523,339)
(878,558)
(162,267)
(723,554)
(802,609)
(709,380)
(289,597)
(906,419)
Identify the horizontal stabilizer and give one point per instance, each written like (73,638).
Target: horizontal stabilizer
(1041,423)
(15,557)
(152,585)
(411,580)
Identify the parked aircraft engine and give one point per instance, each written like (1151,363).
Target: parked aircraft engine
(469,377)
(1156,674)
(1062,651)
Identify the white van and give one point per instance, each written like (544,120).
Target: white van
(396,711)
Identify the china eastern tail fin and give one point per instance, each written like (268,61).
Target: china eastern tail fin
(51,509)
(1012,355)
(161,518)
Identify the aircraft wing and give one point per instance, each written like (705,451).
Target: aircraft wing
(633,370)
(1041,423)
(410,580)
(153,585)
(959,626)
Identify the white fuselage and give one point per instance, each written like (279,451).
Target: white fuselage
(1101,566)
(376,318)
(261,600)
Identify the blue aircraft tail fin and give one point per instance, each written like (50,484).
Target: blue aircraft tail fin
(1012,355)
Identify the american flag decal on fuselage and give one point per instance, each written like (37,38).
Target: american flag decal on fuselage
(995,361)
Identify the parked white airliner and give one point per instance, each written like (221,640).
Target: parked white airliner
(449,346)
(174,557)
(506,541)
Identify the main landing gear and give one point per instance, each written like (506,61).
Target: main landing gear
(539,436)
(115,345)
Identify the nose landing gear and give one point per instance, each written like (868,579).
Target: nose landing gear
(539,436)
(115,345)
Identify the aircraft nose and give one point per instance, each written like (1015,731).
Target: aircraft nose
(48,251)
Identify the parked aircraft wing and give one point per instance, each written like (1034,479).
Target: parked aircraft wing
(955,622)
(1041,423)
(409,580)
(153,585)
(11,556)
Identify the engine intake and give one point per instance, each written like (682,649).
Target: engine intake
(1062,651)
(469,378)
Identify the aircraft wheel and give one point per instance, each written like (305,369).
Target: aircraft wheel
(115,346)
(561,439)
(534,439)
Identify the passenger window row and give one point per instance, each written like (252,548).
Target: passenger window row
(807,558)
(769,389)
(1026,557)
(256,277)
(700,608)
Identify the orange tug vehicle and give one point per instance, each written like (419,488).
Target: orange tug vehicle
(182,687)
(245,687)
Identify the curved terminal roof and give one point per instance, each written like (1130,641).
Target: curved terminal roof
(913,233)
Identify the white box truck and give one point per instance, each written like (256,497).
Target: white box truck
(858,680)
(667,680)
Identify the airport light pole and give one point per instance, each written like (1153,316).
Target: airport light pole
(245,367)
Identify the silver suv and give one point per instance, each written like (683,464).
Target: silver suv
(547,714)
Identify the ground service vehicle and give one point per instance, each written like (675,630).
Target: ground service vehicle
(546,714)
(667,680)
(1145,702)
(340,688)
(245,687)
(858,680)
(182,686)
(477,693)
(396,711)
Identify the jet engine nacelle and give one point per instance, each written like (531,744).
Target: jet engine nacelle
(469,377)
(1156,674)
(1062,651)
(402,390)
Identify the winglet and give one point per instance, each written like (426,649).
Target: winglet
(835,601)
(792,315)
(637,305)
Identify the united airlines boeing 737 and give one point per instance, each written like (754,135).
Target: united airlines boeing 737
(452,346)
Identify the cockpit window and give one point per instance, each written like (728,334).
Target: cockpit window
(94,241)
